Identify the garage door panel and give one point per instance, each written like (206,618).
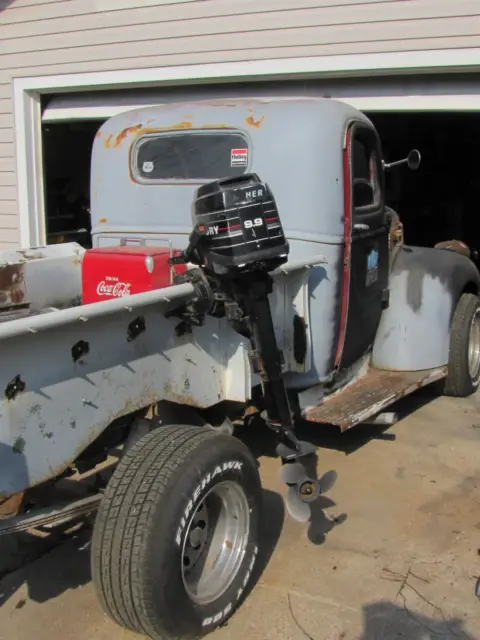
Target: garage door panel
(415,93)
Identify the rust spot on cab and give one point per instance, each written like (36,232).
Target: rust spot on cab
(183,124)
(216,126)
(126,132)
(98,134)
(12,285)
(108,140)
(103,220)
(250,120)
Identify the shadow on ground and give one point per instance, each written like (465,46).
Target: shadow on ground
(46,577)
(270,531)
(388,621)
(262,441)
(65,563)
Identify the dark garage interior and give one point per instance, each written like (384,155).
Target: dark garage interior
(67,149)
(437,202)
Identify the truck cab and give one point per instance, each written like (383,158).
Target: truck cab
(374,300)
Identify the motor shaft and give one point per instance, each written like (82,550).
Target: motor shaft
(269,358)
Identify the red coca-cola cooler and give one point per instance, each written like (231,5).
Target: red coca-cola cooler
(114,272)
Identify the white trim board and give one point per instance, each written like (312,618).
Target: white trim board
(347,65)
(27,92)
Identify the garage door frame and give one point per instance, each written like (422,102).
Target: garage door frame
(27,94)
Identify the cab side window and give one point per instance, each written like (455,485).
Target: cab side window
(365,158)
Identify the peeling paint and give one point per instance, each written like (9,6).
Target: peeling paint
(19,445)
(12,284)
(180,396)
(46,434)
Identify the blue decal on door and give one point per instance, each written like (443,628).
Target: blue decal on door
(372,267)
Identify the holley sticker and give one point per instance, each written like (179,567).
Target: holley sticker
(239,158)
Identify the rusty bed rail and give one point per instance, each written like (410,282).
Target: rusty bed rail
(62,317)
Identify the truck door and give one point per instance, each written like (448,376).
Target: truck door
(365,280)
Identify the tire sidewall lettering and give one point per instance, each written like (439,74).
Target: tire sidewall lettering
(205,484)
(221,615)
(193,487)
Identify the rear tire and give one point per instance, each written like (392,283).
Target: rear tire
(178,493)
(463,376)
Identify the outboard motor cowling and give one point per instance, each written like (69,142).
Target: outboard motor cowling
(240,226)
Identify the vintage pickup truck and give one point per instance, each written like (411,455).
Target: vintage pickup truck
(244,260)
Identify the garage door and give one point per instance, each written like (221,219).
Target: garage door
(409,93)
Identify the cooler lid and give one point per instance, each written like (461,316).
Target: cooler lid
(129,250)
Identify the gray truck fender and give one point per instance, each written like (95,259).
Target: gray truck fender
(425,285)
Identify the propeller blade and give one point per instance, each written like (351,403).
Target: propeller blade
(298,510)
(327,481)
(292,473)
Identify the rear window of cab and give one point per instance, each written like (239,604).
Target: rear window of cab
(189,156)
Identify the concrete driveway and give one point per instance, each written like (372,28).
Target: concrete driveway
(394,554)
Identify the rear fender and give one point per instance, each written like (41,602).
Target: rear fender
(425,285)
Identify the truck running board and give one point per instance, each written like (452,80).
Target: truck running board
(368,396)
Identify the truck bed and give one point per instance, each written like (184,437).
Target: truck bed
(66,375)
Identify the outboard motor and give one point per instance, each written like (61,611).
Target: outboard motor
(241,229)
(237,241)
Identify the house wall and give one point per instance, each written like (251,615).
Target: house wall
(49,37)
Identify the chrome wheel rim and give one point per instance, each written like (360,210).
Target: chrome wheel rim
(215,542)
(474,347)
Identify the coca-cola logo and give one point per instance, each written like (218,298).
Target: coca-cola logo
(115,289)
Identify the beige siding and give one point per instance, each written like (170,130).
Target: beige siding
(43,37)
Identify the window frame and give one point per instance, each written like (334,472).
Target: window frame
(372,214)
(139,179)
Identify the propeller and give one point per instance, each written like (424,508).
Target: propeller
(303,490)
